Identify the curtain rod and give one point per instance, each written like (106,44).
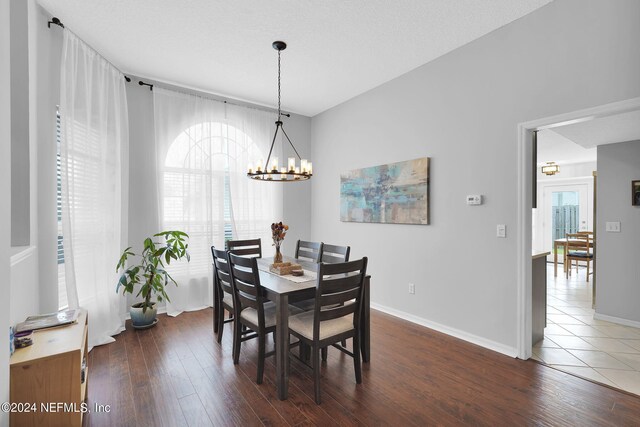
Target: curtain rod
(56,21)
(202,94)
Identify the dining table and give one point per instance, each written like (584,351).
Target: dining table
(564,242)
(286,289)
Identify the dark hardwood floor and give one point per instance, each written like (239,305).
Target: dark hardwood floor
(175,374)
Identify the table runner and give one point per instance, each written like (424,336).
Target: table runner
(308,275)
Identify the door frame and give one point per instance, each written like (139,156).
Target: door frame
(524,201)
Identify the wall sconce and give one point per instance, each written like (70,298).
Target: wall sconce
(550,168)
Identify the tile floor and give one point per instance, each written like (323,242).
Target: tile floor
(577,343)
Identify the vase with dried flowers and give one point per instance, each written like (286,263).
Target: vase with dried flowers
(278,231)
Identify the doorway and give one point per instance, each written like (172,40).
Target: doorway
(584,344)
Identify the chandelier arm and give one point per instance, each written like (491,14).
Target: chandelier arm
(294,148)
(266,166)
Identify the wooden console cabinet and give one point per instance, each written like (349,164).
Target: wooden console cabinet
(49,378)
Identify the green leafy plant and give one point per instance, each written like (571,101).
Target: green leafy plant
(150,273)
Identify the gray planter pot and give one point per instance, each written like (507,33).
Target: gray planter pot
(141,320)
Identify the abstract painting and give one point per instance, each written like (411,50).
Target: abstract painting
(396,193)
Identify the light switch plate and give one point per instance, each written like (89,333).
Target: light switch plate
(501,230)
(613,227)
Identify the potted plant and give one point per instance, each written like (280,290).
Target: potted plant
(150,274)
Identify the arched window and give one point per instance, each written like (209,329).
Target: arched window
(196,191)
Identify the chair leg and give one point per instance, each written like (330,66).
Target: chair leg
(216,307)
(236,341)
(220,315)
(588,271)
(261,347)
(356,358)
(324,353)
(316,373)
(343,343)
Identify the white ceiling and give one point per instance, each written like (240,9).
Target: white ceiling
(605,130)
(553,147)
(337,48)
(576,143)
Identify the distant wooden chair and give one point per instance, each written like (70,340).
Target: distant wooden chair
(332,254)
(251,308)
(223,291)
(246,247)
(578,249)
(311,251)
(328,323)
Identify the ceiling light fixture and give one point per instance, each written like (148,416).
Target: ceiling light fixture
(271,171)
(550,168)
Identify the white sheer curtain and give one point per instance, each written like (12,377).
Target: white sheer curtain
(203,150)
(94,160)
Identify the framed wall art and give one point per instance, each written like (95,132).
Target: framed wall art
(395,193)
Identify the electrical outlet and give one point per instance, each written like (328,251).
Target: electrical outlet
(412,288)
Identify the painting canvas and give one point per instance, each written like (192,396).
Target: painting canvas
(635,193)
(395,193)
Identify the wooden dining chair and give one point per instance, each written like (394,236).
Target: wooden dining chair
(246,247)
(251,308)
(578,249)
(329,324)
(309,250)
(333,254)
(224,292)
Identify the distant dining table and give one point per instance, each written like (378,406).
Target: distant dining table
(562,243)
(284,290)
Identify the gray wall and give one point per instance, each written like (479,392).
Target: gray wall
(618,272)
(24,275)
(296,209)
(462,110)
(5,208)
(20,194)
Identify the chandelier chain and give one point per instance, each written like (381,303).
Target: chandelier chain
(279,112)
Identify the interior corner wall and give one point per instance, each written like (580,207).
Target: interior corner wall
(462,110)
(143,219)
(5,208)
(296,209)
(46,67)
(618,270)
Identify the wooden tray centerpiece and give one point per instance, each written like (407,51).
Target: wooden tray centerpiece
(284,268)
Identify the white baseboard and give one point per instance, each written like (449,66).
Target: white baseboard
(618,320)
(474,339)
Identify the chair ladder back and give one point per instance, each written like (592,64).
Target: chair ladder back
(346,289)
(579,241)
(245,282)
(333,254)
(246,247)
(309,250)
(223,276)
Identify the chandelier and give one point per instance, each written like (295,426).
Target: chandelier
(272,171)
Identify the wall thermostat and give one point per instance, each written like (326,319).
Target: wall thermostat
(474,199)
